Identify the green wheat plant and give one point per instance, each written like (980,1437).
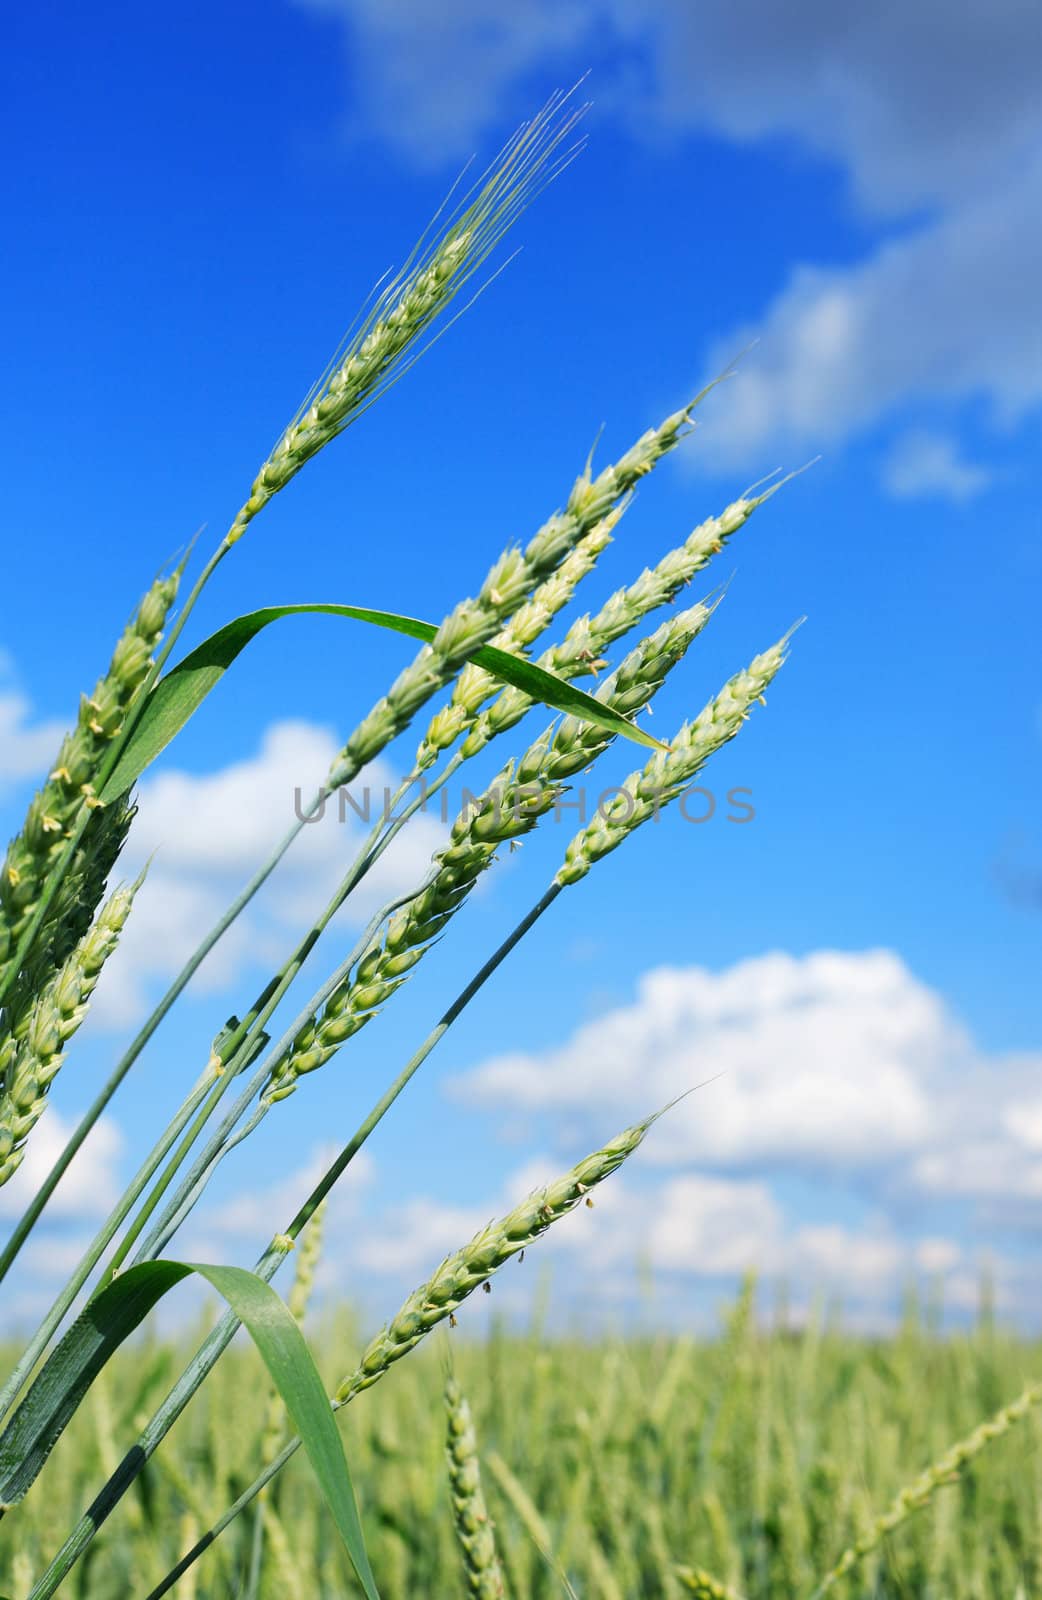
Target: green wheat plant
(64,909)
(577,1434)
(474,1529)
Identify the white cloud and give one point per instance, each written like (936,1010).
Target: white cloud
(711,1226)
(696,1232)
(927,465)
(89,1188)
(202,835)
(26,748)
(414,1237)
(834,1065)
(822,1060)
(933,121)
(947,313)
(915,108)
(408,64)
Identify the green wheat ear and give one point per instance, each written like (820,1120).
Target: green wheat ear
(668,773)
(917,1494)
(524,791)
(31,1058)
(58,808)
(467,1269)
(474,1528)
(413,301)
(704,1587)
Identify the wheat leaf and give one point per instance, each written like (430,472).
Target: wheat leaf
(114,1314)
(182,691)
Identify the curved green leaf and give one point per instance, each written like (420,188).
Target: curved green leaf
(183,690)
(112,1316)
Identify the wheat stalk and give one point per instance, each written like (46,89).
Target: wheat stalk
(523,792)
(583,647)
(668,773)
(917,1494)
(467,1269)
(31,1058)
(474,1528)
(475,622)
(412,302)
(58,809)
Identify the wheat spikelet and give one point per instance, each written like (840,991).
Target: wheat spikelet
(669,772)
(475,685)
(71,911)
(474,1528)
(523,792)
(921,1490)
(581,650)
(596,505)
(414,299)
(30,1059)
(699,1583)
(467,1269)
(58,807)
(475,622)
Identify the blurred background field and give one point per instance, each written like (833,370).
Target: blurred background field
(757,1454)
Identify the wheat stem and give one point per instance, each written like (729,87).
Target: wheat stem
(656,785)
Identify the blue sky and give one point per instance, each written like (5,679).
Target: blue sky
(199,204)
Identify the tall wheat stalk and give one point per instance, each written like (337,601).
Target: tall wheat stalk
(54,940)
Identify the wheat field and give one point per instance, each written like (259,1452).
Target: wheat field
(618,1467)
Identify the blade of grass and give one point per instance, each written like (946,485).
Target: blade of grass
(180,694)
(110,1319)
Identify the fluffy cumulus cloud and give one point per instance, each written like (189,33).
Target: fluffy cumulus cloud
(201,836)
(940,315)
(698,1233)
(827,1060)
(407,65)
(931,122)
(917,109)
(835,1072)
